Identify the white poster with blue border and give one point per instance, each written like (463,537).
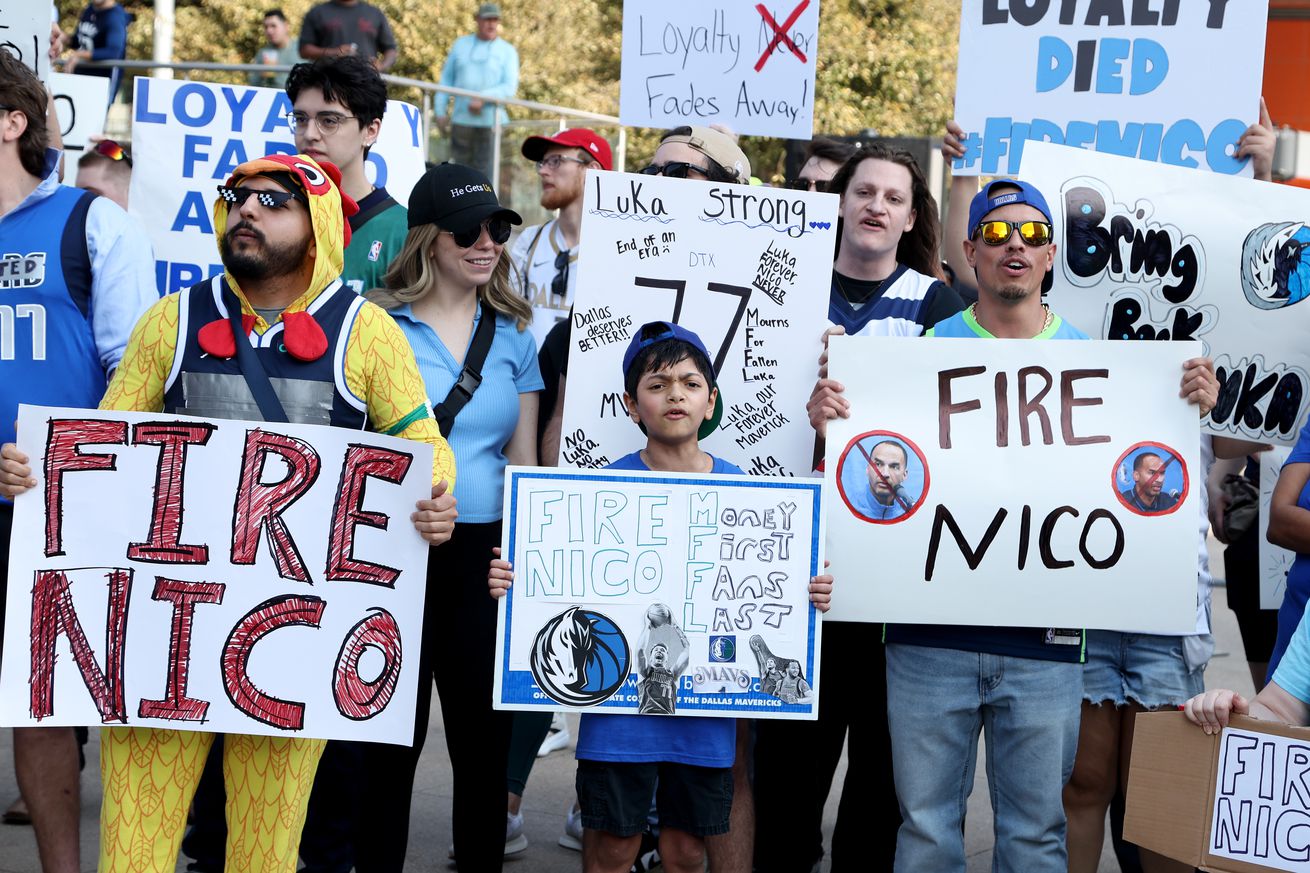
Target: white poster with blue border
(660,593)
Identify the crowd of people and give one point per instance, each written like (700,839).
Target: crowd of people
(434,322)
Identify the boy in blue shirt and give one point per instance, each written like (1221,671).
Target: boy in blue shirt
(625,759)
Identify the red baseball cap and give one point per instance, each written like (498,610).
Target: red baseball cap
(534,147)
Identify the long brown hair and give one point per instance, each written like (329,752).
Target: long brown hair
(920,246)
(411,276)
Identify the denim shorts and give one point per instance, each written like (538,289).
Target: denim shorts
(1151,670)
(615,797)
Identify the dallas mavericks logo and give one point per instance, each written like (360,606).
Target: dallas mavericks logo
(723,650)
(580,658)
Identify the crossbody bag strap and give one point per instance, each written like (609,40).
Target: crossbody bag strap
(260,387)
(471,376)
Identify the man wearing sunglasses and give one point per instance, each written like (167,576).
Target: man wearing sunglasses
(105,170)
(823,158)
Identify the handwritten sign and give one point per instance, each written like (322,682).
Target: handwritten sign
(738,266)
(25,33)
(193,134)
(749,66)
(1014,482)
(81,104)
(1152,252)
(1275,561)
(661,594)
(1261,800)
(1134,79)
(175,572)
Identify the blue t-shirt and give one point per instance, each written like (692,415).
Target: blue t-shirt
(644,739)
(1044,644)
(1298,577)
(486,423)
(1293,672)
(103,32)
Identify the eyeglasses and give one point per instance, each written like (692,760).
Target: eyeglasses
(998,233)
(113,151)
(674,170)
(820,185)
(267,199)
(328,122)
(559,286)
(552,162)
(496,228)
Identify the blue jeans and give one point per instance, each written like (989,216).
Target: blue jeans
(937,702)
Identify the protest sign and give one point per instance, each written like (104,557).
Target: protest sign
(1275,561)
(747,269)
(191,135)
(1013,482)
(1136,79)
(1152,252)
(81,104)
(1232,802)
(749,66)
(660,593)
(25,33)
(175,572)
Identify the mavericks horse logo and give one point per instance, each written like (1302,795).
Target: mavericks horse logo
(580,658)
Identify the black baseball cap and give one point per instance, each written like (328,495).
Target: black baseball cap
(456,197)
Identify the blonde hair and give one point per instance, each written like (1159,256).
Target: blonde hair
(411,276)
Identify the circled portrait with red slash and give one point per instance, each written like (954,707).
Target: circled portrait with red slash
(883,477)
(1151,479)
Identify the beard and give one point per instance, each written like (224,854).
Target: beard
(559,197)
(259,259)
(1013,292)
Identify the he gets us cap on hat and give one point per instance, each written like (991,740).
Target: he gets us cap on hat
(455,197)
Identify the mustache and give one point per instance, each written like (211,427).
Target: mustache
(246,226)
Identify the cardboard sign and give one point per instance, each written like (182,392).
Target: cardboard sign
(175,572)
(1014,482)
(1151,252)
(1234,802)
(1135,79)
(25,33)
(1275,561)
(81,104)
(739,266)
(662,594)
(193,134)
(749,66)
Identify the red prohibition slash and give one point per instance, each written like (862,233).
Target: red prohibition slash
(780,33)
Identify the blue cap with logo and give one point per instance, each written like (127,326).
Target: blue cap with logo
(990,198)
(658,331)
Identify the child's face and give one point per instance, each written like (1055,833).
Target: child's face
(672,403)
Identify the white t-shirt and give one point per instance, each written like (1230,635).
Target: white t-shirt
(533,257)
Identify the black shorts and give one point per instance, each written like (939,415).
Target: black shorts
(615,797)
(6,526)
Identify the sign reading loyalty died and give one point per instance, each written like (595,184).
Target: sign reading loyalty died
(1013,482)
(660,594)
(749,66)
(738,266)
(1150,252)
(175,572)
(1137,78)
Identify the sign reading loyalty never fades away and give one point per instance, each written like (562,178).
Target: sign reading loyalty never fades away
(660,593)
(175,572)
(1024,483)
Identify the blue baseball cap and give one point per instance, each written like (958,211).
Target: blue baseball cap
(985,200)
(657,332)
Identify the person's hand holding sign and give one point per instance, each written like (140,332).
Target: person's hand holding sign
(1200,385)
(435,518)
(826,402)
(15,474)
(500,577)
(1258,143)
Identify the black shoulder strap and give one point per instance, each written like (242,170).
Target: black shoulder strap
(262,390)
(471,376)
(359,219)
(75,254)
(527,261)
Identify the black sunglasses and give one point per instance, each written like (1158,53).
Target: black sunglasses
(674,170)
(497,228)
(267,199)
(820,185)
(559,286)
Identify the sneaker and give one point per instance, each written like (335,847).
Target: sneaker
(572,836)
(516,841)
(557,739)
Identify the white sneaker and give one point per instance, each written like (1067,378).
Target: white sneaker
(515,840)
(557,739)
(572,836)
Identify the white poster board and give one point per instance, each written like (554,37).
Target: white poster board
(81,104)
(25,33)
(1013,502)
(191,135)
(176,572)
(746,269)
(749,66)
(665,594)
(1261,801)
(1153,252)
(1275,561)
(1173,82)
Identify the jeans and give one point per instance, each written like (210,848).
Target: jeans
(937,702)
